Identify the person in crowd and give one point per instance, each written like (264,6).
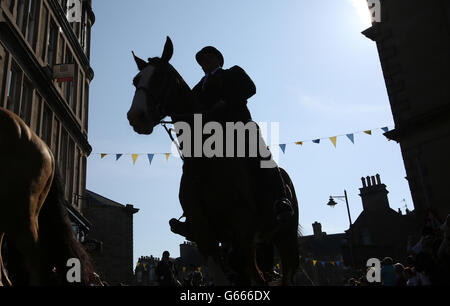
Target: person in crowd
(400,276)
(165,271)
(388,276)
(410,276)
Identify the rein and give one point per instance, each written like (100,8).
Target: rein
(169,132)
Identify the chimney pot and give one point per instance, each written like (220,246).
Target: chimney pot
(378,179)
(373,181)
(364,182)
(368,181)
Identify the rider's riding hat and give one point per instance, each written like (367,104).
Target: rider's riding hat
(209,50)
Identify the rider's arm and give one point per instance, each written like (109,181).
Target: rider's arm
(240,85)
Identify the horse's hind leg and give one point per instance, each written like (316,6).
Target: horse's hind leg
(3,274)
(287,247)
(27,241)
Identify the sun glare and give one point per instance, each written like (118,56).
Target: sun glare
(362,10)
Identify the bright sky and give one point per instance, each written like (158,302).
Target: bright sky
(315,74)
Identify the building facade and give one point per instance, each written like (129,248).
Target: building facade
(35,39)
(110,238)
(322,258)
(413,43)
(379,231)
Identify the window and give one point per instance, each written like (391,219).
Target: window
(76,174)
(38,115)
(63,155)
(80,102)
(47,122)
(33,21)
(15,80)
(74,94)
(86,105)
(26,101)
(11,4)
(52,44)
(56,133)
(22,5)
(4,59)
(68,86)
(44,25)
(87,39)
(70,170)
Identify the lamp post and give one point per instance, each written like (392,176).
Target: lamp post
(333,203)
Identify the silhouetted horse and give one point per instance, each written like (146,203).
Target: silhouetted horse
(32,211)
(227,207)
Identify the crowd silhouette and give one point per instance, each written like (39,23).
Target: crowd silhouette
(427,263)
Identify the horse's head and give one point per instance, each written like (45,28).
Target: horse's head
(154,84)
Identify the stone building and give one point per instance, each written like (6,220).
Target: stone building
(110,239)
(35,39)
(379,231)
(413,41)
(322,258)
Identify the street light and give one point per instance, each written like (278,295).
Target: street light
(333,203)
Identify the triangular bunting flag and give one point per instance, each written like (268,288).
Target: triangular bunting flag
(323,263)
(118,156)
(103,155)
(351,137)
(316,141)
(134,157)
(334,140)
(369,132)
(332,262)
(338,263)
(299,143)
(167,156)
(385,129)
(314,262)
(150,157)
(283,148)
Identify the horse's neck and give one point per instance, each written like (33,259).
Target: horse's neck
(183,101)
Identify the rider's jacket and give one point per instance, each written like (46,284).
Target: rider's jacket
(233,86)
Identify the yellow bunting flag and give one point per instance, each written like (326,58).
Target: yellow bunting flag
(138,264)
(299,143)
(334,140)
(332,263)
(103,155)
(199,269)
(314,262)
(167,156)
(369,132)
(184,269)
(134,157)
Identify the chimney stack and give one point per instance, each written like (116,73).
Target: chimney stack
(317,228)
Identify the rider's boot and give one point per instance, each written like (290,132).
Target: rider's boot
(181,228)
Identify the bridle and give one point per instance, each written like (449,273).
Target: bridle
(158,111)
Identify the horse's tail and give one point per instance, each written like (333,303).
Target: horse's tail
(57,237)
(288,237)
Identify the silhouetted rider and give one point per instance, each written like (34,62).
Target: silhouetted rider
(223,95)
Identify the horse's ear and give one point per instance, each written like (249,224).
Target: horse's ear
(139,62)
(168,50)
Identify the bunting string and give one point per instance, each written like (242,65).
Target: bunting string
(333,140)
